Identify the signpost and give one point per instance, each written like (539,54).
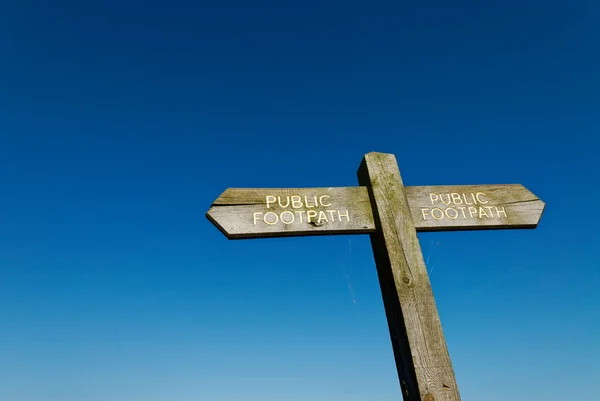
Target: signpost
(392,214)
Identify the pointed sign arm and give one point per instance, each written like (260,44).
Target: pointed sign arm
(279,212)
(473,207)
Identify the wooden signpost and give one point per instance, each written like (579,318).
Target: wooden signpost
(392,214)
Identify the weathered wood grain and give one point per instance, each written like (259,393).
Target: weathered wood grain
(422,359)
(433,208)
(473,207)
(259,212)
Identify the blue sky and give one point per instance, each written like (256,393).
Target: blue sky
(121,121)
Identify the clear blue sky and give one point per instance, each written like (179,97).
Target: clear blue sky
(121,121)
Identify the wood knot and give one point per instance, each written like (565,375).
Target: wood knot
(429,397)
(406,280)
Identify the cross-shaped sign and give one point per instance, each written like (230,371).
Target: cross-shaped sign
(392,214)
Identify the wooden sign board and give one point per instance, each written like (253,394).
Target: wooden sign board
(391,214)
(257,213)
(251,213)
(473,207)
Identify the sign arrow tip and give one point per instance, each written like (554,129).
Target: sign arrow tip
(211,216)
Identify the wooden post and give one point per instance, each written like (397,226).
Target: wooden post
(420,351)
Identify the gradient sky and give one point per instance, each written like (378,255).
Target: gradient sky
(121,121)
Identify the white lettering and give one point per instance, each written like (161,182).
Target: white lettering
(322,202)
(306,204)
(272,221)
(288,213)
(437,209)
(462,212)
(315,213)
(456,199)
(346,215)
(270,199)
(483,213)
(472,211)
(447,211)
(477,195)
(296,202)
(279,201)
(322,216)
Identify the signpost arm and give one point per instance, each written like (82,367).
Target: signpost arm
(420,351)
